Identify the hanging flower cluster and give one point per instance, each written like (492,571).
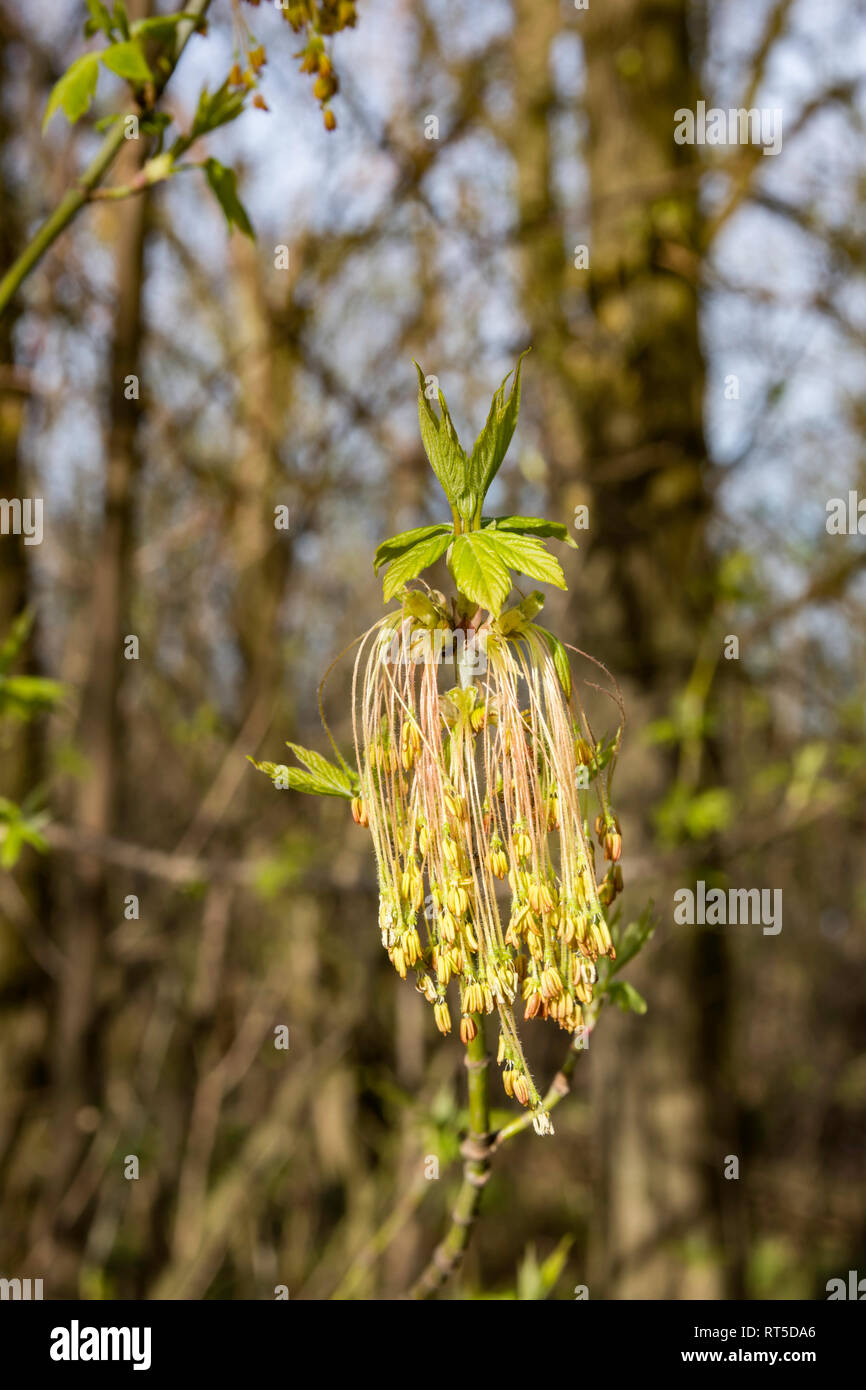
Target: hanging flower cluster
(475,763)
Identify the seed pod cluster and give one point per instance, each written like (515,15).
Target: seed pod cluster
(486,866)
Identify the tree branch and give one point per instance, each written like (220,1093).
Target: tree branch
(74,200)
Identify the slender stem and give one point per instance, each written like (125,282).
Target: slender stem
(70,204)
(73,201)
(476,1170)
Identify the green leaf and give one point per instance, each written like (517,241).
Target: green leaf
(15,640)
(397,545)
(161,27)
(492,443)
(11,845)
(215,109)
(128,61)
(322,778)
(441,445)
(560,658)
(411,562)
(626,997)
(25,696)
(530,526)
(479,570)
(343,781)
(527,555)
(634,937)
(121,18)
(100,19)
(73,92)
(223,183)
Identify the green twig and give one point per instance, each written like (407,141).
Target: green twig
(479,1149)
(74,200)
(476,1149)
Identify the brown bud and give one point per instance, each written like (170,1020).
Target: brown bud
(612,845)
(468,1029)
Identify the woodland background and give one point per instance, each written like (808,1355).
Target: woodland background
(262,387)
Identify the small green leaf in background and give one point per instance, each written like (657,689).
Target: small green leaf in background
(411,562)
(398,545)
(121,18)
(127,60)
(441,444)
(18,829)
(73,92)
(626,997)
(492,443)
(161,27)
(99,21)
(535,1281)
(479,570)
(634,937)
(26,696)
(223,183)
(215,109)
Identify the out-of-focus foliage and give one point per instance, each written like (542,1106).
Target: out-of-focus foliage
(501,174)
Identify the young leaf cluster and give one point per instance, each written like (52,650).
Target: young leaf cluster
(482,551)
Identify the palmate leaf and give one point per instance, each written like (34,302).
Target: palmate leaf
(398,545)
(526,554)
(441,445)
(480,571)
(529,526)
(492,443)
(409,563)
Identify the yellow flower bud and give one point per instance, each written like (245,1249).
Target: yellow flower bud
(521,1090)
(442,1015)
(458,900)
(551,984)
(498,863)
(522,845)
(448,928)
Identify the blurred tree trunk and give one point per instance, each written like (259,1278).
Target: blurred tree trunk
(23,984)
(89,910)
(624,434)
